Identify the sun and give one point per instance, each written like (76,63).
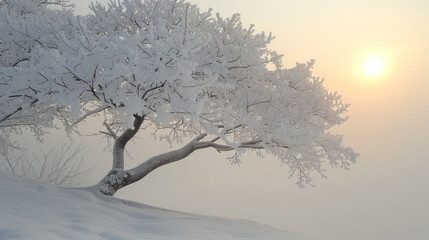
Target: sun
(374,65)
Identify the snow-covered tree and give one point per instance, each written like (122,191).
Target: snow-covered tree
(165,64)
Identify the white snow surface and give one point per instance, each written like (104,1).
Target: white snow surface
(33,210)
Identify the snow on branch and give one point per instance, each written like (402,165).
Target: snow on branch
(89,113)
(186,71)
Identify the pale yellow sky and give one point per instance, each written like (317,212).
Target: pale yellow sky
(385,195)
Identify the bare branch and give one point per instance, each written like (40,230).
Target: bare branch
(9,115)
(256,103)
(153,88)
(10,164)
(111,132)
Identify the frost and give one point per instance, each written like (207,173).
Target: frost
(186,71)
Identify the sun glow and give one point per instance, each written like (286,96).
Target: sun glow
(374,65)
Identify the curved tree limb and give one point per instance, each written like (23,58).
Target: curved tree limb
(122,140)
(118,178)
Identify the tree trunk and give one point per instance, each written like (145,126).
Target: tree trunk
(113,181)
(119,178)
(121,141)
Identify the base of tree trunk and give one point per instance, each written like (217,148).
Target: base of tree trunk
(113,181)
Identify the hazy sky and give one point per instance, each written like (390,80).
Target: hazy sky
(385,195)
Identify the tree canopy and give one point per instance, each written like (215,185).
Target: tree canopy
(183,71)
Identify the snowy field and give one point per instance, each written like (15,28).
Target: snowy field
(32,210)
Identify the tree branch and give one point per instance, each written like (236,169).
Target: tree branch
(153,88)
(118,178)
(111,132)
(9,115)
(250,144)
(121,141)
(10,164)
(89,114)
(155,162)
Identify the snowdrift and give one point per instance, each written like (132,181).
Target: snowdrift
(32,210)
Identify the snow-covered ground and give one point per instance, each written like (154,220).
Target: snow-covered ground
(32,210)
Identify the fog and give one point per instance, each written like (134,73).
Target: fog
(383,196)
